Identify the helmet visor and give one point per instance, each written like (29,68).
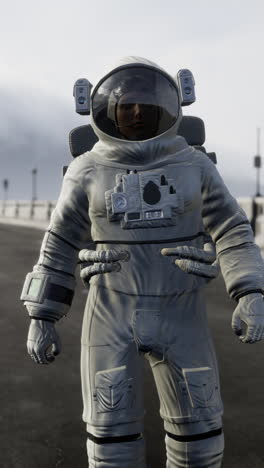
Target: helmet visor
(135,103)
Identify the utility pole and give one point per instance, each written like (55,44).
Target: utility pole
(34,184)
(34,192)
(257,165)
(5,186)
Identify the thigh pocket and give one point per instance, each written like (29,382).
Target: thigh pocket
(113,390)
(201,386)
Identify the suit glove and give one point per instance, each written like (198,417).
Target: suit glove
(199,262)
(42,335)
(96,262)
(250,310)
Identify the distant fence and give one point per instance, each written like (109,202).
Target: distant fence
(27,210)
(254,209)
(41,211)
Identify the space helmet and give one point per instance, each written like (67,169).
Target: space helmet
(135,102)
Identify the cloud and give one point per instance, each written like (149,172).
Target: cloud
(45,48)
(34,135)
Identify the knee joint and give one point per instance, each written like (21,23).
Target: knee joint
(114,440)
(190,438)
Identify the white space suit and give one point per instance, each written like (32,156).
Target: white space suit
(143,196)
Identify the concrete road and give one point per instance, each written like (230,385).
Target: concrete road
(41,406)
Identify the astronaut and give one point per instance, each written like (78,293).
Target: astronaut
(147,200)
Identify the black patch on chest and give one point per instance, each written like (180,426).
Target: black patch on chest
(151,193)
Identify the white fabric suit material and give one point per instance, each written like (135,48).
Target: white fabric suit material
(150,307)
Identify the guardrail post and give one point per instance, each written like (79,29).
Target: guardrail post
(17,210)
(32,206)
(254,215)
(3,208)
(49,210)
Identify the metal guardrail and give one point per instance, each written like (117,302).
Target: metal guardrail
(27,210)
(40,211)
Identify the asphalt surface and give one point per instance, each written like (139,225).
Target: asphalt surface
(41,407)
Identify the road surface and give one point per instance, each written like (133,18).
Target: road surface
(41,406)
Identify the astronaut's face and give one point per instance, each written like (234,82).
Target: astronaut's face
(136,116)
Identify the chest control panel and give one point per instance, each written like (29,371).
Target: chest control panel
(143,199)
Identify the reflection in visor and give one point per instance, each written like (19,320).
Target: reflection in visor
(135,103)
(137,97)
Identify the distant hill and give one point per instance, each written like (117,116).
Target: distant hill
(241,187)
(34,134)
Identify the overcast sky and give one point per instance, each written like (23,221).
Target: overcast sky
(46,45)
